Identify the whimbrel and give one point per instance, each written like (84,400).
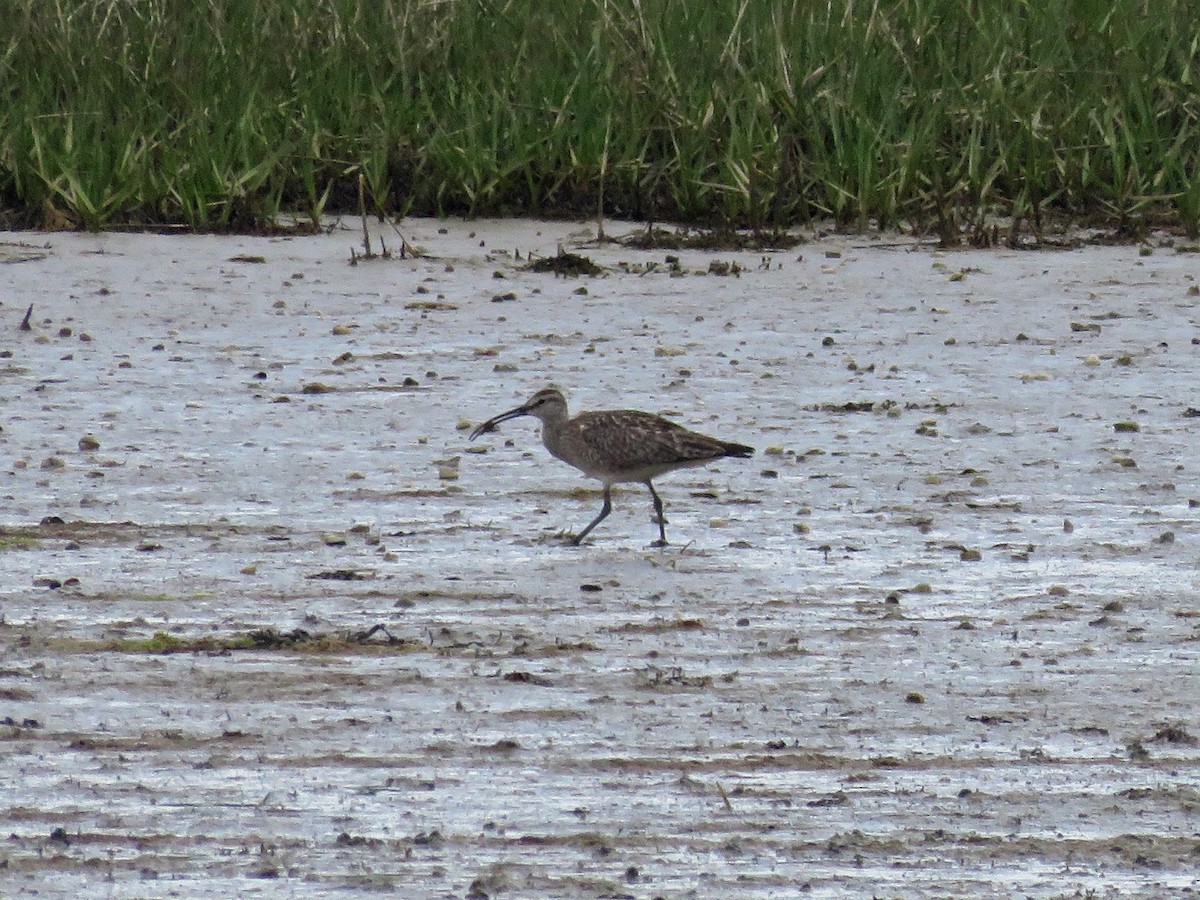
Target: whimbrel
(617,445)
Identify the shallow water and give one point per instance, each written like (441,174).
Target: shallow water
(875,660)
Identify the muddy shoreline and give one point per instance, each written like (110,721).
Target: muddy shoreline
(939,638)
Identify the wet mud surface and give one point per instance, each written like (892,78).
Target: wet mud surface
(272,627)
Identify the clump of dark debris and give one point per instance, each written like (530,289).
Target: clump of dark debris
(271,639)
(653,237)
(565,264)
(1174,734)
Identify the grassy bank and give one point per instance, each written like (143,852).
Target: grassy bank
(932,114)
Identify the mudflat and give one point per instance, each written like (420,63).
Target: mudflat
(271,626)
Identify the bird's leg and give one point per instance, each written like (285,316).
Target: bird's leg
(604,511)
(658,516)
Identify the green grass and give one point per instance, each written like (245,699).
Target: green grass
(17,539)
(935,115)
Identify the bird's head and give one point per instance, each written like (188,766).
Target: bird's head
(547,405)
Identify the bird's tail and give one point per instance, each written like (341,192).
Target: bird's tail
(739,450)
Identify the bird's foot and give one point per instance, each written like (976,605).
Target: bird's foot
(560,537)
(661,542)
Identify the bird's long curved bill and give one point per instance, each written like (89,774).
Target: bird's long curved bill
(490,424)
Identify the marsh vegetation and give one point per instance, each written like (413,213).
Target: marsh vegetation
(942,116)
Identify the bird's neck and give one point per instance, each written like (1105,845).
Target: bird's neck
(554,434)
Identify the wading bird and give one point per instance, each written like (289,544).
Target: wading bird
(616,446)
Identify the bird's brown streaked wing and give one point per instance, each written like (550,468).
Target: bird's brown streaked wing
(643,439)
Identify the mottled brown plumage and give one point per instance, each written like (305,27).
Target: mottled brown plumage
(617,445)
